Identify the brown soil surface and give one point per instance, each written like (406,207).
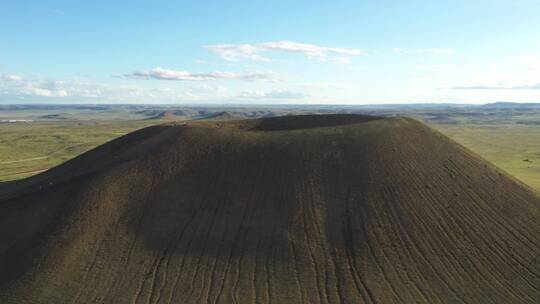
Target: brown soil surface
(300,209)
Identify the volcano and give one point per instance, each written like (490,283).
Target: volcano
(296,209)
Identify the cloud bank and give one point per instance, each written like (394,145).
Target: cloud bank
(12,85)
(74,90)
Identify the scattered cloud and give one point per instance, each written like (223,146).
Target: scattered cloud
(46,90)
(66,89)
(236,52)
(165,74)
(10,78)
(397,50)
(498,87)
(274,94)
(74,90)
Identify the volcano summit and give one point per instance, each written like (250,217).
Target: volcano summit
(296,209)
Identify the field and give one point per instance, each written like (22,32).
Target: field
(505,137)
(30,148)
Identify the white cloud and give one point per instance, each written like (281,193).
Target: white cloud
(235,52)
(274,94)
(62,89)
(165,74)
(10,78)
(67,89)
(310,50)
(500,86)
(261,75)
(45,92)
(74,90)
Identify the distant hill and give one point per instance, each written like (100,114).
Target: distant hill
(163,114)
(508,105)
(296,209)
(223,116)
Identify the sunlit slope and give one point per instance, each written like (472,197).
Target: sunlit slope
(301,209)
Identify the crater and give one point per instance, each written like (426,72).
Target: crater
(309,121)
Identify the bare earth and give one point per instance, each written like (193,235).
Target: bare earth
(300,209)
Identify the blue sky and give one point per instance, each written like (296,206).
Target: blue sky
(260,52)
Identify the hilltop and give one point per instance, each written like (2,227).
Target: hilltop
(296,209)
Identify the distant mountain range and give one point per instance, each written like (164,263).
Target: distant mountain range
(102,107)
(512,105)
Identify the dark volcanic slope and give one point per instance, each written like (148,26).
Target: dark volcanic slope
(328,209)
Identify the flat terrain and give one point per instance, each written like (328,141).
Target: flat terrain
(29,148)
(300,209)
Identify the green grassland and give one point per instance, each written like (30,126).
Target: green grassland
(29,148)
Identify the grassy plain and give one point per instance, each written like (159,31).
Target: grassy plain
(29,148)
